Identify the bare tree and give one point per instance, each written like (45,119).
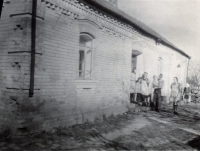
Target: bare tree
(194,73)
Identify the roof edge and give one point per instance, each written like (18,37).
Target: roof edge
(180,51)
(135,25)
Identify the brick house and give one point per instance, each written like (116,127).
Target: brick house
(72,61)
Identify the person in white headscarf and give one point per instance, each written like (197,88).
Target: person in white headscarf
(187,93)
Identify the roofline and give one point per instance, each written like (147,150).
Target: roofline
(180,51)
(127,20)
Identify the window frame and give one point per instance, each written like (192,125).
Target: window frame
(85,49)
(160,65)
(134,56)
(135,59)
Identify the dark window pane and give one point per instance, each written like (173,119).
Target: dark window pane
(81,63)
(134,63)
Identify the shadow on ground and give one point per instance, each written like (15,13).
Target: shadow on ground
(195,143)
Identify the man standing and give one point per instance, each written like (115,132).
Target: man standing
(157,92)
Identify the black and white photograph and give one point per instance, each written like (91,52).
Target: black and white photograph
(99,75)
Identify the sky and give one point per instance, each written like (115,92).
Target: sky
(176,20)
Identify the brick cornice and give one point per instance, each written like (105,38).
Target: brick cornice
(78,9)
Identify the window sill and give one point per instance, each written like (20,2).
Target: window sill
(86,85)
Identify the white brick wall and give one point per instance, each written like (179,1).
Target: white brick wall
(13,66)
(62,100)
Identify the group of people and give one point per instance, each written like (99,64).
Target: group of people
(149,93)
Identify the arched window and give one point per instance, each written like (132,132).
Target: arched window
(160,64)
(179,73)
(85,56)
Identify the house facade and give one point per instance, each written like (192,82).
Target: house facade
(85,51)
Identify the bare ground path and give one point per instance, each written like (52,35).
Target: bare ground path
(138,123)
(131,131)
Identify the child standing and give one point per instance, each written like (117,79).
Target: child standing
(145,89)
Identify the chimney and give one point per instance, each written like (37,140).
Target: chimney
(113,2)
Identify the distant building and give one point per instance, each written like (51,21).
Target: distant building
(85,51)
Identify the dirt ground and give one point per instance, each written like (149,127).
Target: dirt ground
(147,130)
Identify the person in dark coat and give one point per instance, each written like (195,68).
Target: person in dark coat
(157,92)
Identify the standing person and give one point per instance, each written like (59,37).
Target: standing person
(153,86)
(138,91)
(187,93)
(132,85)
(145,88)
(175,91)
(157,92)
